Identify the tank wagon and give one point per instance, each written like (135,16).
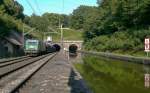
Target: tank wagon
(49,47)
(57,47)
(34,47)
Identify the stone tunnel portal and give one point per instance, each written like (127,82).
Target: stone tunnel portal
(73,48)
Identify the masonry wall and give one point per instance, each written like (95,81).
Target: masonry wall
(3,49)
(66,45)
(8,49)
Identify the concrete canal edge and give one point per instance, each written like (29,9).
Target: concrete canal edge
(139,60)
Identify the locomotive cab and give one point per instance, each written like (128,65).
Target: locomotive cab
(34,47)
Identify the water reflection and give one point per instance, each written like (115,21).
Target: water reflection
(74,57)
(147,76)
(147,80)
(110,76)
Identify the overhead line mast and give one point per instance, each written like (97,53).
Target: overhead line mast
(61,24)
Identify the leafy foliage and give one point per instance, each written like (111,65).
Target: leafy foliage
(48,22)
(11,15)
(114,25)
(55,19)
(82,15)
(13,8)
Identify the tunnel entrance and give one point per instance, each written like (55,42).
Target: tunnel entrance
(57,47)
(73,51)
(73,48)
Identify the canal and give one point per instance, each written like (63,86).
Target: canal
(112,76)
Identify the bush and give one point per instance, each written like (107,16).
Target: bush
(122,40)
(8,23)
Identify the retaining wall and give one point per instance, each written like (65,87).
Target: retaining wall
(139,60)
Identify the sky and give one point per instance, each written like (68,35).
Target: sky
(53,6)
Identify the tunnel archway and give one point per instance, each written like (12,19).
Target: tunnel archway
(73,48)
(57,47)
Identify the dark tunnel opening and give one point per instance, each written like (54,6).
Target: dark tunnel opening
(73,48)
(57,47)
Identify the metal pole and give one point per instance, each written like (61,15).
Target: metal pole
(23,35)
(61,35)
(45,36)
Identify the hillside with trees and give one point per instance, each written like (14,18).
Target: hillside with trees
(115,26)
(112,26)
(47,24)
(11,16)
(82,15)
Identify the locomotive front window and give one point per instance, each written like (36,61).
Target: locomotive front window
(31,45)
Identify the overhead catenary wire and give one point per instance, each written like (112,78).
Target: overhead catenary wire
(62,11)
(61,23)
(37,5)
(31,6)
(34,12)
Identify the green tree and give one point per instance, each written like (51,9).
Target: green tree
(11,15)
(82,15)
(13,8)
(124,22)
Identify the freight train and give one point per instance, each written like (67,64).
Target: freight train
(37,47)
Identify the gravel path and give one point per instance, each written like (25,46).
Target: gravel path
(57,76)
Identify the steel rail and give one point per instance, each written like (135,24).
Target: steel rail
(14,85)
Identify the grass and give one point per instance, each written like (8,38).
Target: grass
(68,34)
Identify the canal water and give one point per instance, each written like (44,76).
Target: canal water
(112,76)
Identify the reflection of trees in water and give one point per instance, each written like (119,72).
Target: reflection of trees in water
(146,69)
(110,76)
(76,58)
(73,55)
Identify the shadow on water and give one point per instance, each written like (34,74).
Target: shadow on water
(77,84)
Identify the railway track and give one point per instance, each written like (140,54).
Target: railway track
(11,59)
(12,76)
(14,61)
